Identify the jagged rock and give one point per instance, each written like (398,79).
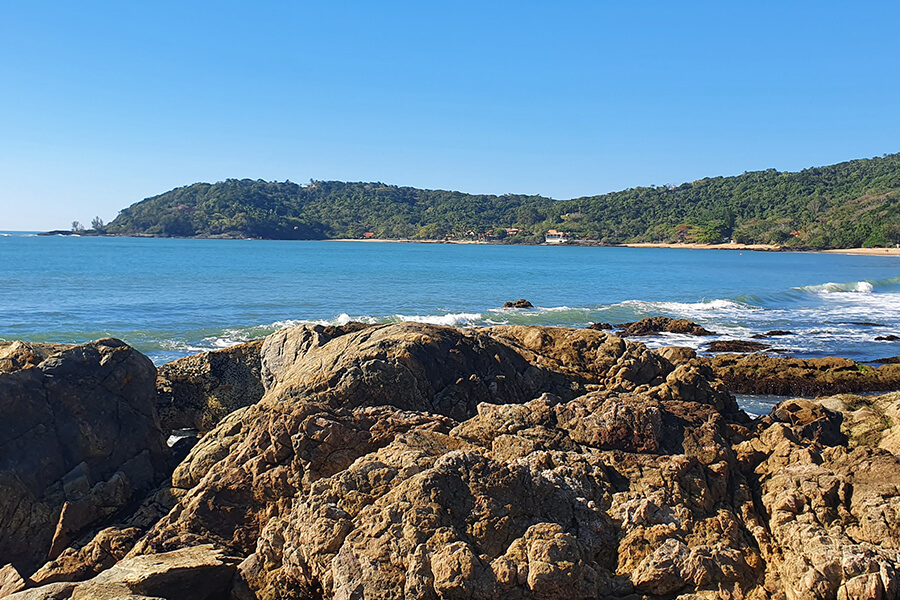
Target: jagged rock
(334,404)
(104,550)
(195,392)
(676,355)
(887,338)
(736,346)
(760,374)
(10,581)
(194,573)
(18,355)
(872,421)
(520,303)
(541,500)
(418,461)
(600,326)
(654,325)
(79,439)
(832,511)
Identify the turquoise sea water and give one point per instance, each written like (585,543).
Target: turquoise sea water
(173,297)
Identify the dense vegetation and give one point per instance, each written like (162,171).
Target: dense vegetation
(850,204)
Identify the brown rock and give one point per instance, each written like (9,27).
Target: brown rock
(887,338)
(760,374)
(676,355)
(195,392)
(738,346)
(79,439)
(831,515)
(104,550)
(654,325)
(194,573)
(18,355)
(10,581)
(520,303)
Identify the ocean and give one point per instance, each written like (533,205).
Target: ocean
(174,297)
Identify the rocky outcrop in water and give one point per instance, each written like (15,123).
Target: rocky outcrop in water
(418,461)
(520,303)
(652,325)
(761,374)
(736,346)
(79,440)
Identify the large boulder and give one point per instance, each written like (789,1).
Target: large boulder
(79,440)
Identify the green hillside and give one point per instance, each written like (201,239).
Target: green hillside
(851,204)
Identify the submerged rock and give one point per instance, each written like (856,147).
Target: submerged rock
(773,333)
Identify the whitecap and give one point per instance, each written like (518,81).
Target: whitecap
(859,287)
(451,319)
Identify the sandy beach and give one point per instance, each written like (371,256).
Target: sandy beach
(764,247)
(754,247)
(867,251)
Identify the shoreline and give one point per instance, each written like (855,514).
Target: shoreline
(682,246)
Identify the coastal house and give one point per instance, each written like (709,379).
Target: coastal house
(555,237)
(368,235)
(512,231)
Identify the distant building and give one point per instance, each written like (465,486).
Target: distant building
(512,231)
(368,235)
(555,237)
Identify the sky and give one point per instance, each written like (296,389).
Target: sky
(103,104)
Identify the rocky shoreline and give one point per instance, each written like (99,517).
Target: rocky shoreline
(419,461)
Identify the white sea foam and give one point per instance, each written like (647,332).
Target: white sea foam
(859,287)
(453,319)
(686,307)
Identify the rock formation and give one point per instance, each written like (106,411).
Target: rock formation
(418,461)
(652,325)
(520,303)
(79,440)
(761,374)
(736,346)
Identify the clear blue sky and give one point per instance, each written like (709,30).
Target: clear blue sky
(105,103)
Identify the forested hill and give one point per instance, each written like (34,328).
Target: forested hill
(851,204)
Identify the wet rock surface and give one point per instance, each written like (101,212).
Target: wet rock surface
(761,374)
(418,461)
(736,346)
(520,303)
(654,325)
